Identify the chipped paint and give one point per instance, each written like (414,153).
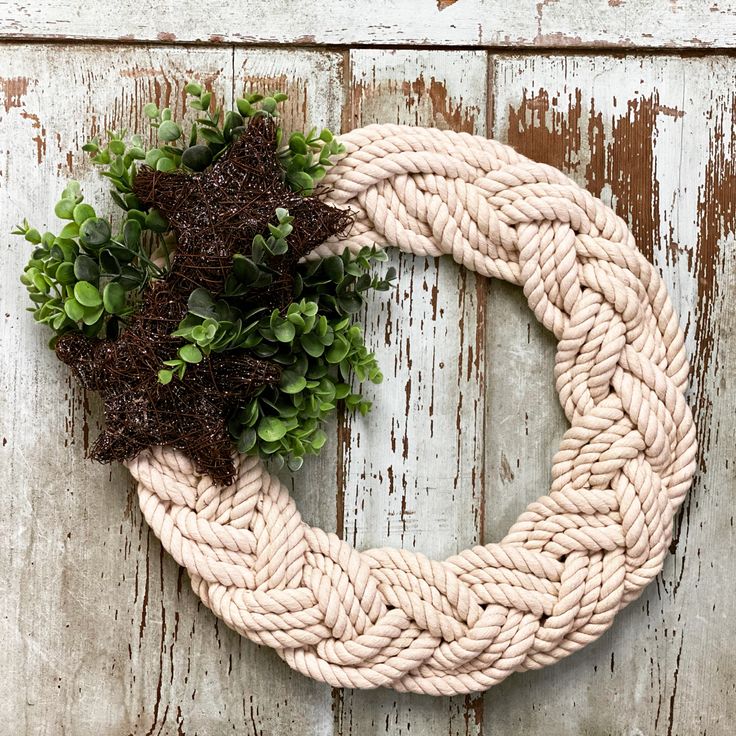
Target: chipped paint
(627,166)
(716,234)
(425,97)
(13,91)
(547,129)
(40,137)
(613,156)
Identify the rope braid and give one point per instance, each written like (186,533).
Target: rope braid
(576,556)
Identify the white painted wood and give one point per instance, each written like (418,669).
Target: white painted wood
(413,469)
(101,631)
(653,137)
(561,24)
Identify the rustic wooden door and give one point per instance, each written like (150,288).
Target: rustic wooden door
(635,99)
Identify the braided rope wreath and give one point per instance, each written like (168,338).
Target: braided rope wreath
(575,557)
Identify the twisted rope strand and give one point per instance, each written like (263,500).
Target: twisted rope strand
(576,556)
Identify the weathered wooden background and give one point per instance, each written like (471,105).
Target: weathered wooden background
(636,99)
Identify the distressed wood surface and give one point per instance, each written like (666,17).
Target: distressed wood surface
(100,631)
(653,138)
(696,24)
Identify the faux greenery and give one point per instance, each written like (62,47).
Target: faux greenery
(315,341)
(89,276)
(80,278)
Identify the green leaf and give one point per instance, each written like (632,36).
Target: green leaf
(165,376)
(92,315)
(334,268)
(338,351)
(350,303)
(65,274)
(113,297)
(165,164)
(312,345)
(64,209)
(94,231)
(284,331)
(132,234)
(169,131)
(300,181)
(201,304)
(153,156)
(292,383)
(32,235)
(151,110)
(244,107)
(69,231)
(295,463)
(87,294)
(197,158)
(297,143)
(247,441)
(245,269)
(73,309)
(271,429)
(156,222)
(58,321)
(83,212)
(190,353)
(319,440)
(86,269)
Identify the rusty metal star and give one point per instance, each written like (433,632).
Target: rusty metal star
(215,214)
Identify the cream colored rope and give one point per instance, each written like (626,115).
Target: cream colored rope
(576,556)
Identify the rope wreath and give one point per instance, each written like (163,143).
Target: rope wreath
(576,556)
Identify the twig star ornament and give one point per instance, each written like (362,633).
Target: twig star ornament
(214,214)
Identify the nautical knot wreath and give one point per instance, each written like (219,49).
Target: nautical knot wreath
(576,556)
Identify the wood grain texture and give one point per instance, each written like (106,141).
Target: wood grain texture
(412,471)
(694,24)
(100,630)
(103,631)
(652,137)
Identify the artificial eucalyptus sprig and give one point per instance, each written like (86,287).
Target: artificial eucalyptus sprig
(80,279)
(119,266)
(90,277)
(315,341)
(304,157)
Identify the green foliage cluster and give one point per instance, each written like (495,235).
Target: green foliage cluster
(304,157)
(89,276)
(80,279)
(119,265)
(315,341)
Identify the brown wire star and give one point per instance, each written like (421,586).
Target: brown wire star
(214,214)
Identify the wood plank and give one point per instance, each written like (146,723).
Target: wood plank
(314,82)
(413,468)
(651,136)
(103,632)
(468,23)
